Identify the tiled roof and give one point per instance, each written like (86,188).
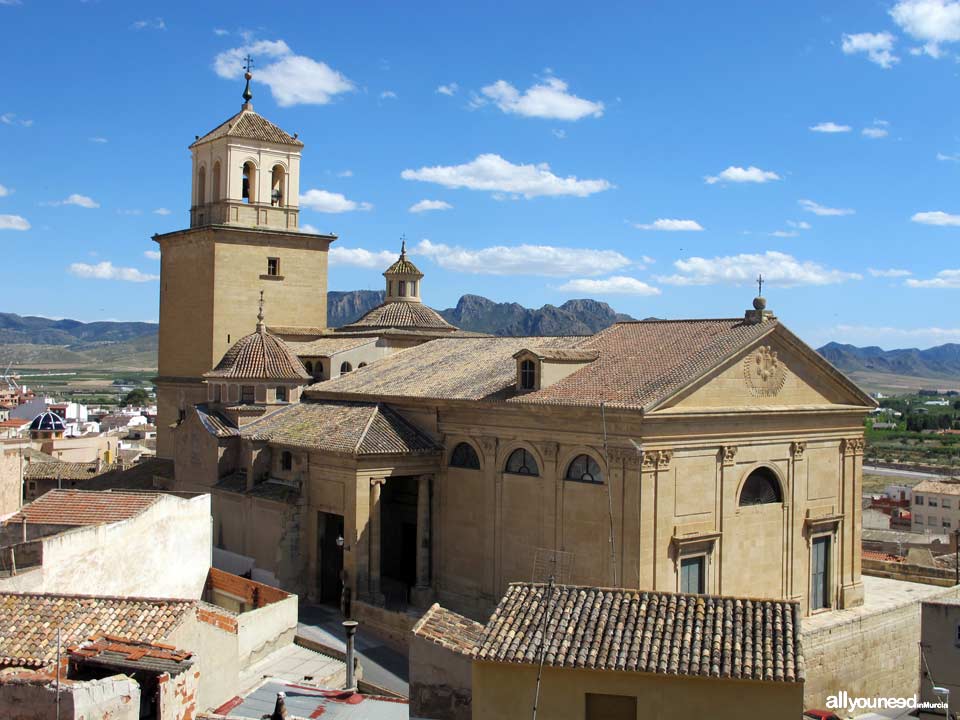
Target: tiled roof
(641,363)
(147,474)
(35,456)
(403,267)
(29,622)
(449,630)
(248,124)
(935,486)
(14,423)
(355,428)
(653,632)
(881,556)
(561,354)
(59,470)
(296,330)
(401,314)
(115,652)
(259,356)
(327,346)
(215,423)
(452,368)
(83,507)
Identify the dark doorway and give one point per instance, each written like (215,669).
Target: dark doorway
(398,547)
(329,557)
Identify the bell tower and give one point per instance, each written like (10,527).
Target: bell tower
(244,237)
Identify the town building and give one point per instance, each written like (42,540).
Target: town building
(936,506)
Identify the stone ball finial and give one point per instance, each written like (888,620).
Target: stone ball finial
(759,303)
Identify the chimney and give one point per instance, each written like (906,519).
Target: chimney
(351,628)
(280,709)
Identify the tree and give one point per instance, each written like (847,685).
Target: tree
(137,396)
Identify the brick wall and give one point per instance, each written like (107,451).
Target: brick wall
(219,620)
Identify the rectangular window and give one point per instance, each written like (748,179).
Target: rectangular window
(946,523)
(247,394)
(610,707)
(945,504)
(692,575)
(918,499)
(273,266)
(820,573)
(918,519)
(931,520)
(401,288)
(932,502)
(282,393)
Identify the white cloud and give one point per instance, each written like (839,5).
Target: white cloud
(388,95)
(220,32)
(559,134)
(449,89)
(784,233)
(4,191)
(944,279)
(328,202)
(12,119)
(616,285)
(817,209)
(13,222)
(877,46)
(875,132)
(426,205)
(889,273)
(106,270)
(548,99)
(75,199)
(932,22)
(345,173)
(161,211)
(308,228)
(777,268)
(11,2)
(154,24)
(524,259)
(670,225)
(936,217)
(799,225)
(492,173)
(292,79)
(829,127)
(742,175)
(152,254)
(948,158)
(100,140)
(358,257)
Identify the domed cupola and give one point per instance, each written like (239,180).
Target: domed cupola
(47,425)
(403,279)
(258,368)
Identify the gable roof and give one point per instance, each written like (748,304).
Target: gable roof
(344,427)
(59,470)
(29,622)
(84,507)
(652,632)
(249,125)
(213,422)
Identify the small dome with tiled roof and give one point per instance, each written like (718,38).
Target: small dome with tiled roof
(48,422)
(259,356)
(403,266)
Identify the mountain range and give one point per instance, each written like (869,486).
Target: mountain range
(26,340)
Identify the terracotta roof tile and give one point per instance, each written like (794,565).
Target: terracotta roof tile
(59,470)
(354,428)
(401,314)
(327,346)
(122,653)
(83,507)
(29,622)
(215,423)
(248,124)
(449,630)
(653,632)
(259,356)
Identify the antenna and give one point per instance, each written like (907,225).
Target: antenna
(552,565)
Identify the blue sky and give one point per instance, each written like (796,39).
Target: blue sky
(656,156)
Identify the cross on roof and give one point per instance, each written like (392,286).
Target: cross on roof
(760,285)
(248,63)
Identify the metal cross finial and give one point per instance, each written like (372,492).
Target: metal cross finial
(403,244)
(248,63)
(760,285)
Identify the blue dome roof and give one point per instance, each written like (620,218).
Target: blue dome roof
(47,421)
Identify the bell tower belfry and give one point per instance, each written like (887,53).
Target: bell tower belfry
(244,237)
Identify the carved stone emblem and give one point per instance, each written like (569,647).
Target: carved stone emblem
(764,372)
(852,446)
(657,459)
(728,453)
(798,449)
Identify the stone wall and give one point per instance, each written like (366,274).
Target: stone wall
(177,696)
(441,685)
(942,577)
(870,651)
(113,698)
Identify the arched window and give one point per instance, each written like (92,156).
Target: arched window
(413,288)
(286,460)
(308,366)
(345,367)
(202,185)
(249,193)
(215,181)
(401,288)
(276,185)
(464,456)
(584,468)
(528,375)
(361,365)
(521,462)
(761,488)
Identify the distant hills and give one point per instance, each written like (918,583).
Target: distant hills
(936,363)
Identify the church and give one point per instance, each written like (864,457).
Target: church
(411,462)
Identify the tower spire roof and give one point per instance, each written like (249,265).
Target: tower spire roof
(403,266)
(261,326)
(247,94)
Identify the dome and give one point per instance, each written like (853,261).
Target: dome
(401,315)
(259,356)
(48,421)
(403,266)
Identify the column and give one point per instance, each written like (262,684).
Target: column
(376,485)
(422,592)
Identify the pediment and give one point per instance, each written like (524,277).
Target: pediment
(777,371)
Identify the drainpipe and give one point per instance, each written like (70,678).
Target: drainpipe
(350,626)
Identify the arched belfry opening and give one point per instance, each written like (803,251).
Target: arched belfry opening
(277,178)
(201,185)
(249,188)
(215,182)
